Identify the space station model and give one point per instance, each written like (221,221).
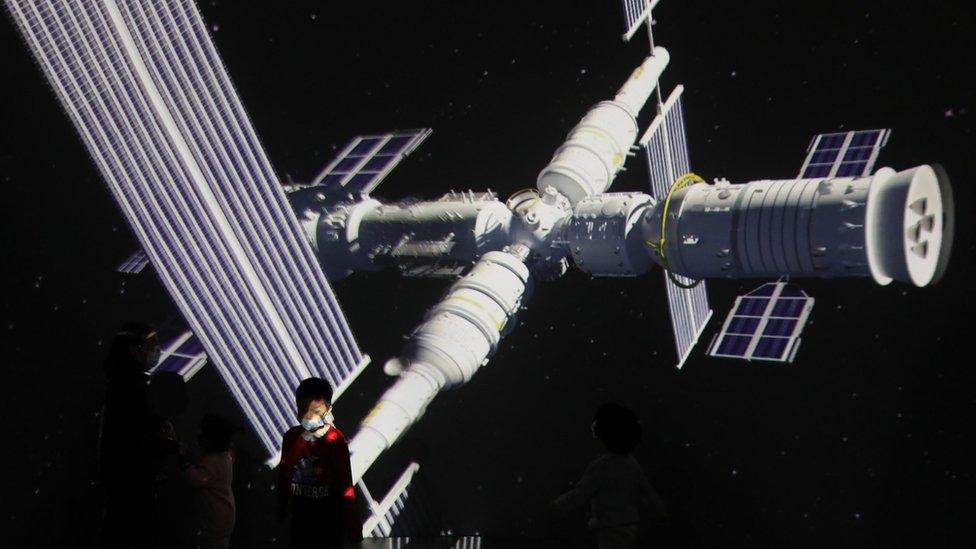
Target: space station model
(247,260)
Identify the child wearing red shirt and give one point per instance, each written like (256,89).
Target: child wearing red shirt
(314,478)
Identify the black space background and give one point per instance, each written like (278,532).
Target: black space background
(865,441)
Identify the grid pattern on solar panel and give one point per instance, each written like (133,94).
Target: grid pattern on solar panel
(367,160)
(666,148)
(666,145)
(845,154)
(635,11)
(764,324)
(182,355)
(151,100)
(134,264)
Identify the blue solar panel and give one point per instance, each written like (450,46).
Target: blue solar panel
(365,146)
(824,157)
(765,333)
(734,345)
(743,325)
(395,145)
(360,182)
(868,138)
(789,308)
(191,346)
(377,163)
(347,165)
(752,306)
(857,153)
(782,327)
(815,170)
(851,169)
(771,348)
(847,154)
(366,160)
(831,141)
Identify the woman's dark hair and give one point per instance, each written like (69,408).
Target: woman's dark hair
(313,388)
(120,360)
(617,427)
(216,433)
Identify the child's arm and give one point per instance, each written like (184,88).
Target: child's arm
(585,489)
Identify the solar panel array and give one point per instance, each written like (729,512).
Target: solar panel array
(384,513)
(635,13)
(666,148)
(844,154)
(368,159)
(134,264)
(152,102)
(765,324)
(184,355)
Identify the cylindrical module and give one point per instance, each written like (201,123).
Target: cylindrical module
(456,338)
(888,226)
(604,235)
(369,235)
(596,148)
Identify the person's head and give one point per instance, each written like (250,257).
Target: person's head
(167,394)
(135,347)
(216,433)
(617,428)
(313,399)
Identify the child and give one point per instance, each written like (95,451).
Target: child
(614,484)
(211,480)
(314,476)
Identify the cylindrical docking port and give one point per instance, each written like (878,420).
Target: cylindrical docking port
(595,150)
(887,226)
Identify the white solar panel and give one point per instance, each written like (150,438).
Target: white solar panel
(844,154)
(184,355)
(635,13)
(367,159)
(151,99)
(764,324)
(384,514)
(134,264)
(666,149)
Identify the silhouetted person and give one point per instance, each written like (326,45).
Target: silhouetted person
(314,476)
(131,440)
(168,401)
(614,484)
(211,478)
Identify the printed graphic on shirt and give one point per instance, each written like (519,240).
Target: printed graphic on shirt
(305,477)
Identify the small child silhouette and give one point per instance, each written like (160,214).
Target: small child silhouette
(614,484)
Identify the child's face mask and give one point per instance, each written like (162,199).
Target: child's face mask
(313,424)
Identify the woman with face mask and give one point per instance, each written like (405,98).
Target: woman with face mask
(130,440)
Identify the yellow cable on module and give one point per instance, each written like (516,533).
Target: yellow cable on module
(683,181)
